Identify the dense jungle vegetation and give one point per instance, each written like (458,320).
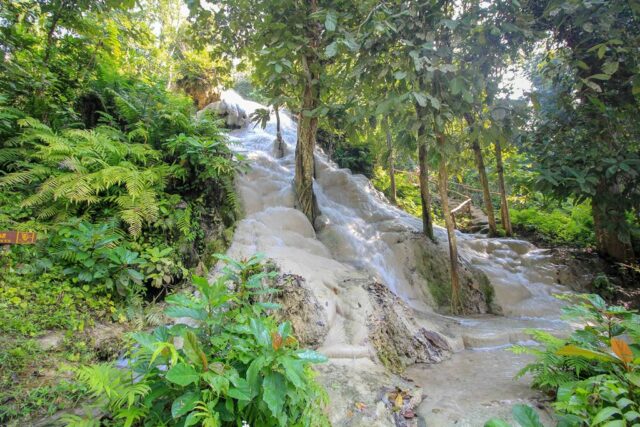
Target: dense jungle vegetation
(131,193)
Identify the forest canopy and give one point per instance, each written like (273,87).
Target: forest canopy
(112,152)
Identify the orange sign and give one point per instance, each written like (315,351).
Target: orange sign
(17,238)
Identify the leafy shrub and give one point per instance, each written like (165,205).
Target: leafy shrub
(358,159)
(93,254)
(574,226)
(236,365)
(595,373)
(160,268)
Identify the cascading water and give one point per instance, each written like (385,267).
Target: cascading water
(358,237)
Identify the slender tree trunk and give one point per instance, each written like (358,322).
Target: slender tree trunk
(279,140)
(307,128)
(611,240)
(504,207)
(425,194)
(484,181)
(52,30)
(392,167)
(443,177)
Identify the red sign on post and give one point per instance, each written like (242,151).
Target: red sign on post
(17,238)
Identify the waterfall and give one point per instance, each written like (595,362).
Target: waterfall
(360,235)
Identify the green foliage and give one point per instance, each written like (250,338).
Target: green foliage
(91,254)
(357,159)
(584,139)
(595,373)
(573,225)
(75,170)
(237,364)
(31,304)
(408,192)
(524,415)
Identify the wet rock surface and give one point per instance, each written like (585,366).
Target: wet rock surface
(399,341)
(369,291)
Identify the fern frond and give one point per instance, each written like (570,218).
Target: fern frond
(9,155)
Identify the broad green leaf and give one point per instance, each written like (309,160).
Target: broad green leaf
(456,86)
(275,390)
(330,21)
(526,416)
(218,383)
(631,415)
(331,50)
(624,402)
(192,313)
(293,370)
(634,378)
(597,301)
(421,99)
(239,394)
(192,419)
(182,374)
(604,415)
(260,332)
(253,374)
(192,350)
(565,391)
(185,403)
(610,67)
(284,329)
(399,75)
(435,102)
(601,51)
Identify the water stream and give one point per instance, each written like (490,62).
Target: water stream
(358,236)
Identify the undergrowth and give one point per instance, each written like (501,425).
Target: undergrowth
(225,361)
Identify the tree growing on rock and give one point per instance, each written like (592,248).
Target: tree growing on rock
(295,40)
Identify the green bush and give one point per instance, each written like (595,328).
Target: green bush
(238,364)
(572,226)
(595,373)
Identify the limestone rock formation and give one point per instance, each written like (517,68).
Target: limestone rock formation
(235,116)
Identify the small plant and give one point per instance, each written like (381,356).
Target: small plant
(524,415)
(595,373)
(160,268)
(230,363)
(93,254)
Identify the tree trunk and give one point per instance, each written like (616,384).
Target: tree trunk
(504,207)
(484,181)
(611,240)
(307,128)
(52,29)
(392,167)
(279,140)
(443,177)
(425,194)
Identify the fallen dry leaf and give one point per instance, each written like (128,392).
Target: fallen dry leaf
(399,401)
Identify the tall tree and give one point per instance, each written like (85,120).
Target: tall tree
(587,93)
(297,40)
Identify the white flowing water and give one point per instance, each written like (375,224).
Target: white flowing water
(358,238)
